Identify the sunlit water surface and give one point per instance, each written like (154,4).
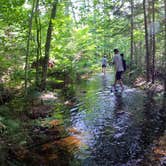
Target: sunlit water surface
(115,128)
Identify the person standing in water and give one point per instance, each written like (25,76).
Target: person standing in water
(117,61)
(104,64)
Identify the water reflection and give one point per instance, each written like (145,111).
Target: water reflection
(153,124)
(118,102)
(104,82)
(117,128)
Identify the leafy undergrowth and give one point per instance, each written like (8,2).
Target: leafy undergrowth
(50,144)
(157,154)
(136,78)
(157,87)
(33,132)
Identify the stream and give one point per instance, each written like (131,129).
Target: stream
(100,127)
(115,128)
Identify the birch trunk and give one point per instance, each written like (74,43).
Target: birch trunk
(146,41)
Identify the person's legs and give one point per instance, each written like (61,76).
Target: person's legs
(103,69)
(120,80)
(116,80)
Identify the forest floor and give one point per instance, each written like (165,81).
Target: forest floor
(156,87)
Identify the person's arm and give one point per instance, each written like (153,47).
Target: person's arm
(112,62)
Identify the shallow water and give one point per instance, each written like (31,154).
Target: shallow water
(115,128)
(97,126)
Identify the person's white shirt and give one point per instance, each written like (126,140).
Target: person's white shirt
(117,60)
(104,61)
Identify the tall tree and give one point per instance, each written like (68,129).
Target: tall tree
(28,46)
(73,13)
(153,41)
(165,51)
(131,33)
(38,40)
(104,27)
(47,46)
(146,40)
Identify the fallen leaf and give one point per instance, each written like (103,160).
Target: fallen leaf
(69,143)
(47,146)
(52,156)
(54,123)
(74,131)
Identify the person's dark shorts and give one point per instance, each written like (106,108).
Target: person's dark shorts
(119,75)
(104,65)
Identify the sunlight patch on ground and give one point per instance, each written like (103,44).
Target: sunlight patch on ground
(48,96)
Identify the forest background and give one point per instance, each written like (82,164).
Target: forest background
(74,35)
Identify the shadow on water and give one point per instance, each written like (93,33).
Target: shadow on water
(116,127)
(104,82)
(100,127)
(154,122)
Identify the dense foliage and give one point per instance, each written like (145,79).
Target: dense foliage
(82,32)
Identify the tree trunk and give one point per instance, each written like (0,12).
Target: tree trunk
(153,42)
(47,46)
(165,52)
(38,50)
(104,27)
(131,33)
(136,54)
(67,8)
(150,36)
(146,41)
(94,24)
(73,12)
(28,47)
